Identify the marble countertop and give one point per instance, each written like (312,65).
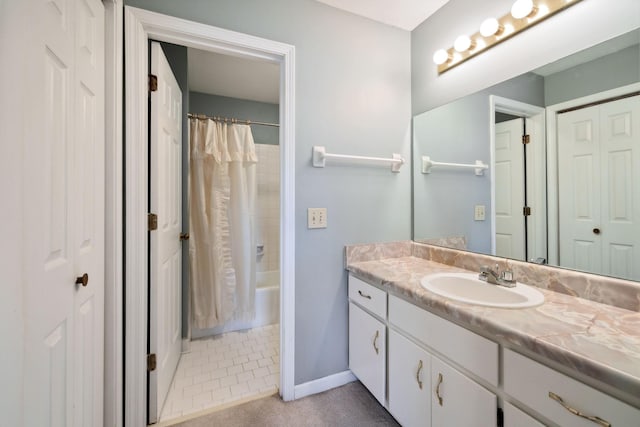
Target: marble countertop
(594,341)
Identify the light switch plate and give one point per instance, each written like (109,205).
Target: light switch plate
(479,213)
(317,218)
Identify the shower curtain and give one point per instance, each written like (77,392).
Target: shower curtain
(222,189)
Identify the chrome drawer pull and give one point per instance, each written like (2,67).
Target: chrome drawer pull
(364,295)
(574,411)
(375,342)
(418,375)
(438,389)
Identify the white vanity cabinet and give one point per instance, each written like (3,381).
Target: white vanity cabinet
(412,368)
(561,399)
(441,374)
(456,400)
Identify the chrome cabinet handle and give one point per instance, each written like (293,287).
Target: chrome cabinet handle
(364,295)
(574,411)
(418,375)
(438,389)
(375,342)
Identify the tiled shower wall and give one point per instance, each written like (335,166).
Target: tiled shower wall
(268,207)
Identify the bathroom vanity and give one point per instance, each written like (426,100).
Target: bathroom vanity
(434,361)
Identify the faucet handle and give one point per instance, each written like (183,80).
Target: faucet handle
(507,276)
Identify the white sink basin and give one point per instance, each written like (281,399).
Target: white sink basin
(466,287)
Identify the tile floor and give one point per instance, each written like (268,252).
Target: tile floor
(223,369)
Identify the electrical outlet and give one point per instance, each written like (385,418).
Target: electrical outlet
(317,218)
(479,213)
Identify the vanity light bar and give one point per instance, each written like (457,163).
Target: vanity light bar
(494,31)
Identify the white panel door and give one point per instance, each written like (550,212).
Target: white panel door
(599,218)
(164,244)
(620,224)
(64,213)
(509,189)
(579,189)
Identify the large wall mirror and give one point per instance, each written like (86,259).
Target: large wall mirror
(561,147)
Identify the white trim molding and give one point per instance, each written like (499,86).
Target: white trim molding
(113,289)
(324,384)
(552,157)
(140,26)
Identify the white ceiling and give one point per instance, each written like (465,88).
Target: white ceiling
(405,14)
(241,78)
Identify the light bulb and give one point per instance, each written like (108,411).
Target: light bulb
(490,27)
(462,43)
(440,56)
(522,9)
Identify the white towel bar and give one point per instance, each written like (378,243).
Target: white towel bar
(479,167)
(320,155)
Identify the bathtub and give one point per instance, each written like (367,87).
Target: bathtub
(267,307)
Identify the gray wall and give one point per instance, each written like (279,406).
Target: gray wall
(583,25)
(353,95)
(213,105)
(177,57)
(458,132)
(608,72)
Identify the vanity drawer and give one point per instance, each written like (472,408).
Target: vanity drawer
(471,351)
(535,385)
(368,297)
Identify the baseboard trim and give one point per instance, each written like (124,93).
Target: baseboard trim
(323,384)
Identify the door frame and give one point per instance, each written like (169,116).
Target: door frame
(536,115)
(140,26)
(552,158)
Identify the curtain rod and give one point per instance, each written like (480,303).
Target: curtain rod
(229,120)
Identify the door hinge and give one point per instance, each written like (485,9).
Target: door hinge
(151,362)
(526,211)
(526,139)
(152,220)
(153,83)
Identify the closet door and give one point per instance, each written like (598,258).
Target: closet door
(599,157)
(620,153)
(579,189)
(63,209)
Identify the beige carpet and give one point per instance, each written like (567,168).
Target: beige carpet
(350,406)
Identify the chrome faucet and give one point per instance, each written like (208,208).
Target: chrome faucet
(496,278)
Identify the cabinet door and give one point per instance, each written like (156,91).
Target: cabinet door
(409,381)
(514,417)
(457,400)
(367,349)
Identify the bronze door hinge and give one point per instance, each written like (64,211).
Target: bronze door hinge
(153,83)
(526,211)
(526,139)
(151,362)
(152,220)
